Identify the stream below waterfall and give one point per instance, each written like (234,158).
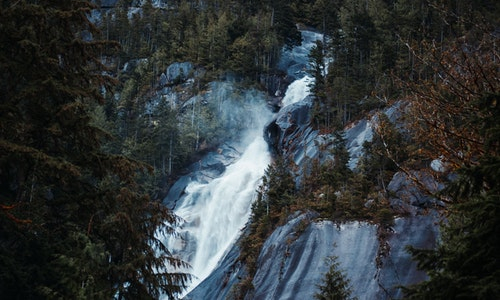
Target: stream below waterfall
(213,212)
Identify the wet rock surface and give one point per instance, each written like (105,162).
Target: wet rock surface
(222,281)
(209,167)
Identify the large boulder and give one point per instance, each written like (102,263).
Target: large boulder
(178,72)
(289,133)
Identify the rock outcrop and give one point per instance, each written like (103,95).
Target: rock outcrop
(177,72)
(292,261)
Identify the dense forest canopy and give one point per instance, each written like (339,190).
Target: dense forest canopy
(75,221)
(83,162)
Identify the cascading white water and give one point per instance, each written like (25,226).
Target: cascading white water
(296,63)
(215,212)
(297,90)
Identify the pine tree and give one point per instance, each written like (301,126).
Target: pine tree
(284,25)
(280,186)
(74,222)
(334,285)
(321,109)
(341,156)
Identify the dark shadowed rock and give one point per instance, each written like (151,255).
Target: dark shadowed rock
(398,268)
(408,196)
(176,191)
(290,133)
(276,85)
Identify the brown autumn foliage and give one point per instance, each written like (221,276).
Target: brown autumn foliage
(447,110)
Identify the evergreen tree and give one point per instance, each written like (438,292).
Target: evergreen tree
(283,23)
(334,285)
(318,70)
(341,171)
(325,14)
(321,109)
(74,222)
(280,185)
(457,112)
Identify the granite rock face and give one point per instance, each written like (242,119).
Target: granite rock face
(398,268)
(292,261)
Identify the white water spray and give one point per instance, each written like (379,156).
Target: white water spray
(215,212)
(297,90)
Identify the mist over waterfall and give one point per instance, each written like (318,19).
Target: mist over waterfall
(215,210)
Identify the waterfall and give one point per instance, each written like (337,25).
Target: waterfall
(214,212)
(297,90)
(296,63)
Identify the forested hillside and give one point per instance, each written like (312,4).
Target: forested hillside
(97,121)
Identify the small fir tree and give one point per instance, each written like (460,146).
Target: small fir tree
(334,285)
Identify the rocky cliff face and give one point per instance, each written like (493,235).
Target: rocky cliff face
(292,260)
